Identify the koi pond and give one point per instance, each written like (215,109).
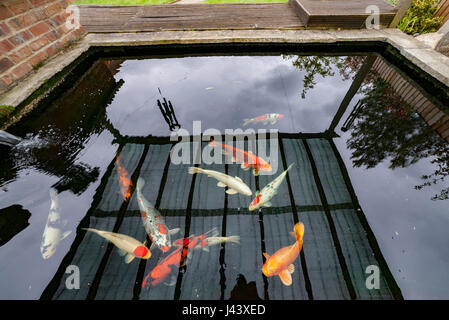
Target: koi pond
(271,175)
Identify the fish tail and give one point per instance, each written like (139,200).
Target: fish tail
(140,183)
(246,121)
(290,166)
(91,229)
(234,239)
(193,170)
(53,194)
(299,231)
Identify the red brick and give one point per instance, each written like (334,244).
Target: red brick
(39,28)
(20,54)
(38,58)
(21,70)
(40,14)
(39,43)
(39,2)
(23,21)
(52,50)
(19,6)
(5,81)
(53,9)
(52,35)
(5,64)
(6,46)
(20,38)
(5,12)
(4,29)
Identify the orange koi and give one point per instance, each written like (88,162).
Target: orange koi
(245,158)
(281,262)
(125,182)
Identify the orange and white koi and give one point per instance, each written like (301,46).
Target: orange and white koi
(53,233)
(265,119)
(235,184)
(245,158)
(127,245)
(177,258)
(263,197)
(153,221)
(281,262)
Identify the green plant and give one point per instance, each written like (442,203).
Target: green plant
(420,18)
(5,111)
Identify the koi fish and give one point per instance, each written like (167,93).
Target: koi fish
(128,246)
(125,182)
(281,262)
(153,221)
(177,258)
(211,241)
(268,117)
(236,185)
(247,159)
(53,229)
(269,191)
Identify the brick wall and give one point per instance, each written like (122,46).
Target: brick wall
(31,31)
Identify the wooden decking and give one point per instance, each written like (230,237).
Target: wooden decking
(294,15)
(188,17)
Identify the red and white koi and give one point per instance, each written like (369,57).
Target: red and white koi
(265,119)
(153,221)
(127,245)
(281,262)
(263,197)
(245,158)
(235,184)
(53,233)
(177,258)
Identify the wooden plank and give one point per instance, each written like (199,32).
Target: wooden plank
(190,16)
(340,13)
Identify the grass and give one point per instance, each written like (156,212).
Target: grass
(121,2)
(5,111)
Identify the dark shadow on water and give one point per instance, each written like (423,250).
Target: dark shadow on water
(13,220)
(243,290)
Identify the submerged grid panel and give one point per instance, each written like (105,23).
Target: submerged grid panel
(335,240)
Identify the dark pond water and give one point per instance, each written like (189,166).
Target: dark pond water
(373,194)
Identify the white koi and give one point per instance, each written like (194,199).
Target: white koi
(127,245)
(235,184)
(263,197)
(53,233)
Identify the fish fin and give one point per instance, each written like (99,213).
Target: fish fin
(206,248)
(266,255)
(289,167)
(129,257)
(244,166)
(189,255)
(152,246)
(231,191)
(267,204)
(140,183)
(121,252)
(234,239)
(193,170)
(256,172)
(257,192)
(221,184)
(53,194)
(286,277)
(293,234)
(238,179)
(246,121)
(173,231)
(291,268)
(66,234)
